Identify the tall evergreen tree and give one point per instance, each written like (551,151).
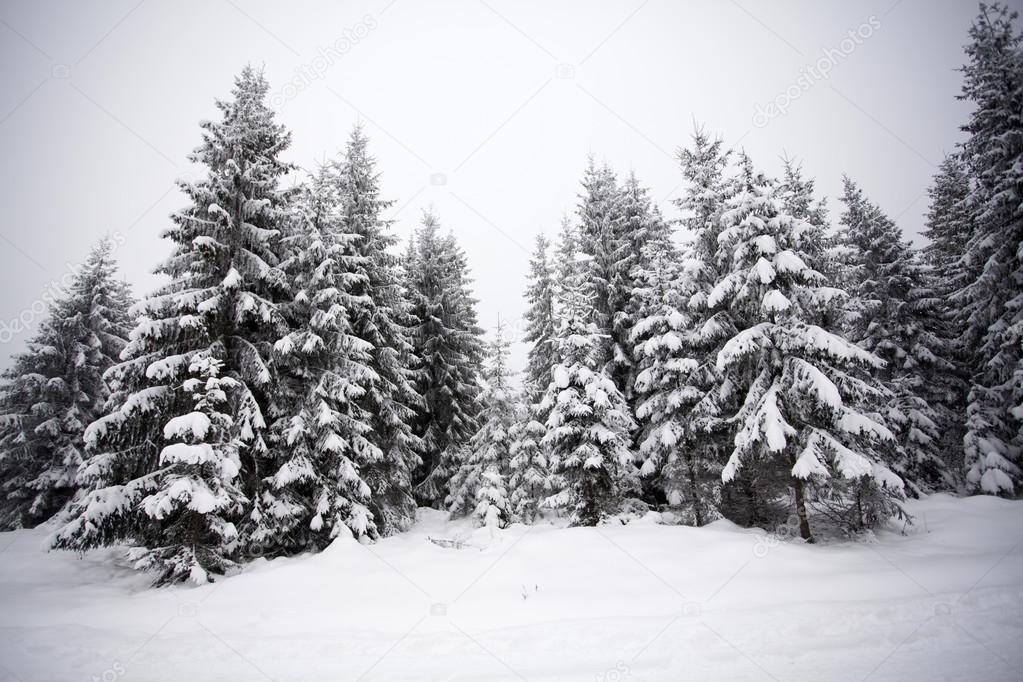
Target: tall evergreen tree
(540,323)
(446,339)
(888,318)
(803,393)
(993,299)
(677,410)
(56,388)
(686,371)
(949,226)
(480,485)
(588,423)
(379,315)
(221,303)
(600,240)
(643,232)
(317,489)
(566,259)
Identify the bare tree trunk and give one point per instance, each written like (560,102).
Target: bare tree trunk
(804,522)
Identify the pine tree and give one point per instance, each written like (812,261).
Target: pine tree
(198,499)
(803,393)
(676,409)
(949,226)
(222,302)
(798,195)
(600,240)
(379,315)
(589,423)
(676,339)
(56,388)
(540,323)
(317,491)
(530,479)
(480,485)
(446,339)
(567,262)
(993,299)
(643,232)
(888,319)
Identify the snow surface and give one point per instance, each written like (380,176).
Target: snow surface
(638,602)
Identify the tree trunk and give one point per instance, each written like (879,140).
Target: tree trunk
(804,522)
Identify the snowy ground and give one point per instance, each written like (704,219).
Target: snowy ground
(639,602)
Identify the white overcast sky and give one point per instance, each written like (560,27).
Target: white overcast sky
(99,105)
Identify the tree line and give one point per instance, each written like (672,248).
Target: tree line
(296,379)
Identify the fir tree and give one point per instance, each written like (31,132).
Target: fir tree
(222,302)
(540,323)
(56,388)
(480,485)
(993,299)
(567,262)
(676,308)
(379,315)
(600,240)
(446,339)
(798,195)
(530,479)
(589,423)
(803,393)
(643,232)
(317,490)
(198,498)
(677,411)
(949,226)
(888,319)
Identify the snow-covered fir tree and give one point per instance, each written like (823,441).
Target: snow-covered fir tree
(676,408)
(675,306)
(567,262)
(798,195)
(600,239)
(888,314)
(447,340)
(379,315)
(197,499)
(993,299)
(479,487)
(802,393)
(530,479)
(222,302)
(55,389)
(641,227)
(540,323)
(588,422)
(948,227)
(317,491)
